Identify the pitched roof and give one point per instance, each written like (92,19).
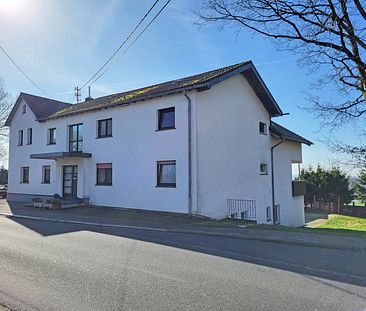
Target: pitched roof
(41,107)
(282,132)
(202,81)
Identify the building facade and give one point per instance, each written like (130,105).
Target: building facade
(202,145)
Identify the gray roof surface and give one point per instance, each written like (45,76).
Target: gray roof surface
(280,131)
(200,81)
(41,107)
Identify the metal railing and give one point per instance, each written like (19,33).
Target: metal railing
(241,209)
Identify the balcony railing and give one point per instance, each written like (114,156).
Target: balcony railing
(298,187)
(241,209)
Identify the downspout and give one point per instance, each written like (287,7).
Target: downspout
(273,182)
(189,153)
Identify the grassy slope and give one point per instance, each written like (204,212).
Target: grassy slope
(345,223)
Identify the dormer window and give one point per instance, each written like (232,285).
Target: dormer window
(24,109)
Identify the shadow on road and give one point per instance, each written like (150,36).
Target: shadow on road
(334,265)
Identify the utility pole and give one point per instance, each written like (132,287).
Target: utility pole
(77,94)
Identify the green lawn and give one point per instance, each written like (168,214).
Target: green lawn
(357,203)
(341,222)
(337,225)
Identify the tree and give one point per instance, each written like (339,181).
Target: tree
(323,32)
(3,176)
(5,108)
(326,185)
(360,186)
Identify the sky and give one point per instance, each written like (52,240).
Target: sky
(60,44)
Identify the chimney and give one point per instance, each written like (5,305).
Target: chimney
(89,97)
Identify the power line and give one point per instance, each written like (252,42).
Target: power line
(97,78)
(123,43)
(147,26)
(20,69)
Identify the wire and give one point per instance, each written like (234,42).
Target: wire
(147,26)
(20,69)
(97,78)
(122,44)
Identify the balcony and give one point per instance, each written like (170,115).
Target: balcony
(298,187)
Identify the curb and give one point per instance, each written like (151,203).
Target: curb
(196,232)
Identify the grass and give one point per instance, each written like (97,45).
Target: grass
(341,222)
(226,222)
(357,203)
(338,225)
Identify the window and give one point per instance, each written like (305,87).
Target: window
(262,128)
(166,119)
(263,168)
(76,138)
(166,174)
(46,174)
(20,138)
(104,174)
(51,136)
(29,136)
(24,175)
(268,213)
(24,109)
(105,128)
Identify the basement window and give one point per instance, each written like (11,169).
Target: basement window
(262,128)
(166,119)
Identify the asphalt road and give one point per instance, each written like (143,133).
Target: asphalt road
(49,266)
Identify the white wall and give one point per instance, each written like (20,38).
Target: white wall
(230,148)
(19,155)
(291,208)
(134,149)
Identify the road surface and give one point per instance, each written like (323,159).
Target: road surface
(51,266)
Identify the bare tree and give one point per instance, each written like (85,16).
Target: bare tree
(5,108)
(325,33)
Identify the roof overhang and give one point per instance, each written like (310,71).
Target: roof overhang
(279,131)
(261,90)
(13,110)
(60,155)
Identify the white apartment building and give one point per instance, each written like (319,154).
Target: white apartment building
(201,145)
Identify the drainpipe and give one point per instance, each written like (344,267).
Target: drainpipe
(189,153)
(273,182)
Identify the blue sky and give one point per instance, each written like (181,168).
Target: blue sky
(60,45)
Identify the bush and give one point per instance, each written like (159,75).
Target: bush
(54,202)
(37,200)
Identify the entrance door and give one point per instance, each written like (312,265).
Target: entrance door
(70,181)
